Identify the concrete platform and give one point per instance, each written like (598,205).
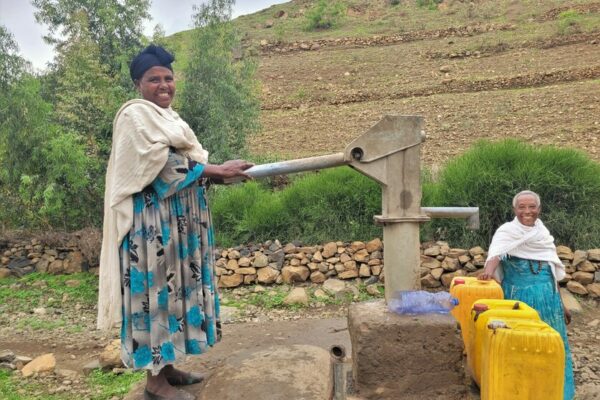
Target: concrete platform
(405,357)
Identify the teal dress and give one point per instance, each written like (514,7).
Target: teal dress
(533,283)
(170,302)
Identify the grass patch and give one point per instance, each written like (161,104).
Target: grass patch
(36,323)
(34,290)
(273,297)
(490,174)
(111,384)
(569,22)
(15,388)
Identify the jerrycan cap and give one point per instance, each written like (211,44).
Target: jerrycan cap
(478,307)
(459,281)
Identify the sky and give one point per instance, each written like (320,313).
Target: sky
(173,15)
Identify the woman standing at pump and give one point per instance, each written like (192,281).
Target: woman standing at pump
(522,257)
(156,266)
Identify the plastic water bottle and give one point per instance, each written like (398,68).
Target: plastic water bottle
(422,302)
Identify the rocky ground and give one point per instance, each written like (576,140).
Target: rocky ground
(76,343)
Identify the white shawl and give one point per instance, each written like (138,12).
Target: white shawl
(530,242)
(142,135)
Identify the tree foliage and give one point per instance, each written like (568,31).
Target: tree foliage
(220,96)
(86,95)
(12,65)
(116,26)
(55,131)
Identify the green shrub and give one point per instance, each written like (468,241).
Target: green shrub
(325,14)
(429,4)
(490,174)
(569,22)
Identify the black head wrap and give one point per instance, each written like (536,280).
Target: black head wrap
(151,56)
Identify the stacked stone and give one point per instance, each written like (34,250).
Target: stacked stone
(274,263)
(440,263)
(24,257)
(583,270)
(469,30)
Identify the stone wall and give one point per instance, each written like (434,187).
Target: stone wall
(274,263)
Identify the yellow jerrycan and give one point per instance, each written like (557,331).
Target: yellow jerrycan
(467,290)
(523,359)
(482,311)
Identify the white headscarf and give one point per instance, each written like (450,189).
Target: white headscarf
(142,135)
(529,242)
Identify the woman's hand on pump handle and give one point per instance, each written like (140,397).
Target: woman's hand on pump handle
(227,170)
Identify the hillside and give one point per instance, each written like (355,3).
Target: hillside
(474,70)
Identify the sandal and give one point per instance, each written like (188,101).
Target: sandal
(181,378)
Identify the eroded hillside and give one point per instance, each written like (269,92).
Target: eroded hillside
(482,70)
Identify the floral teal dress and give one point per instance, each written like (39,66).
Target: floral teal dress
(532,282)
(170,299)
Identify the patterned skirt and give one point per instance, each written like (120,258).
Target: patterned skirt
(170,301)
(533,283)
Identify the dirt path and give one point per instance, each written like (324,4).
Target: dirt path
(322,327)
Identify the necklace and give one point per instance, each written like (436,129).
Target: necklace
(539,268)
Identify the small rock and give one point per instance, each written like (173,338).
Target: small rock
(111,355)
(373,290)
(92,365)
(333,285)
(43,363)
(296,296)
(7,356)
(21,361)
(569,300)
(260,261)
(329,250)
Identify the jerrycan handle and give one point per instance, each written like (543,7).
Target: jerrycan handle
(479,308)
(495,324)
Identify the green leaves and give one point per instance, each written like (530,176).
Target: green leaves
(220,100)
(325,14)
(116,26)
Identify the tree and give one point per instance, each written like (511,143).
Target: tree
(87,97)
(220,94)
(12,65)
(116,26)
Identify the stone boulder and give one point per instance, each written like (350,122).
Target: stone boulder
(267,275)
(41,364)
(228,281)
(296,296)
(295,274)
(333,286)
(111,355)
(276,373)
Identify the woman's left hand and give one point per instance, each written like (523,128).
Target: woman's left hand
(235,168)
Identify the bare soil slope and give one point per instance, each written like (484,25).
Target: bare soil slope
(514,71)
